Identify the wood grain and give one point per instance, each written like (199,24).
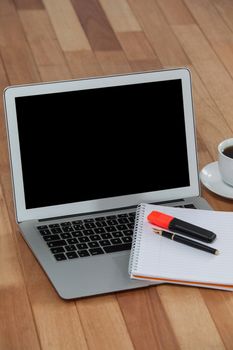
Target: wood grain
(216,30)
(190,318)
(103,323)
(121,16)
(63,39)
(66,25)
(29,4)
(147,320)
(95,23)
(17,328)
(159,33)
(43,42)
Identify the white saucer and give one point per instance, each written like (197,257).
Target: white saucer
(211,178)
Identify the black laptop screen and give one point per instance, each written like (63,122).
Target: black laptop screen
(90,144)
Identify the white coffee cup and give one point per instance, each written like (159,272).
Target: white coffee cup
(225,163)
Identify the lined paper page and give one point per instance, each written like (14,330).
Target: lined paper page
(163,258)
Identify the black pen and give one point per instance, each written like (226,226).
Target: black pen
(186,241)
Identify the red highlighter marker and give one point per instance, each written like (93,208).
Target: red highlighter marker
(176,225)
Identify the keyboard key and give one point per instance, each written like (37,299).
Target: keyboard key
(60,257)
(117,248)
(57,250)
(66,235)
(117,234)
(132,214)
(121,227)
(59,243)
(112,222)
(83,253)
(131,226)
(77,234)
(89,220)
(77,222)
(96,251)
(83,239)
(72,240)
(45,232)
(127,239)
(56,230)
(110,229)
(81,246)
(70,248)
(67,229)
(106,235)
(90,225)
(123,221)
(54,225)
(99,230)
(72,255)
(95,238)
(43,227)
(116,241)
(123,215)
(79,227)
(102,218)
(104,242)
(93,244)
(111,217)
(51,238)
(101,223)
(88,232)
(128,232)
(131,219)
(67,223)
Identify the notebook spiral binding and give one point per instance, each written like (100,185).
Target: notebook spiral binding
(138,226)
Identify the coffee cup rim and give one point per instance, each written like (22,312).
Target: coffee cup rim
(223,145)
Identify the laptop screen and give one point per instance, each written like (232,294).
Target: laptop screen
(104,142)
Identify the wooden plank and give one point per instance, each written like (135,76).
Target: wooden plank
(66,25)
(113,62)
(103,323)
(215,29)
(15,52)
(121,16)
(225,8)
(17,328)
(208,66)
(147,322)
(96,25)
(208,117)
(83,64)
(29,4)
(138,51)
(42,39)
(176,12)
(51,313)
(58,323)
(189,317)
(213,73)
(220,305)
(159,34)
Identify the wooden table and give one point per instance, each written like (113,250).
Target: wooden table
(62,39)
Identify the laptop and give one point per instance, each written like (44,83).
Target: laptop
(84,153)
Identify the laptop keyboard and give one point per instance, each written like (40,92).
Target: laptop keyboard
(89,237)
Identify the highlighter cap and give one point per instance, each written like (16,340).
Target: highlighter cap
(160,219)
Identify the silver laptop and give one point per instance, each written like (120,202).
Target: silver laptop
(84,154)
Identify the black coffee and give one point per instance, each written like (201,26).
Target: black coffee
(228,151)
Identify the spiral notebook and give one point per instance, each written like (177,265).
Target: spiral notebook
(161,260)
